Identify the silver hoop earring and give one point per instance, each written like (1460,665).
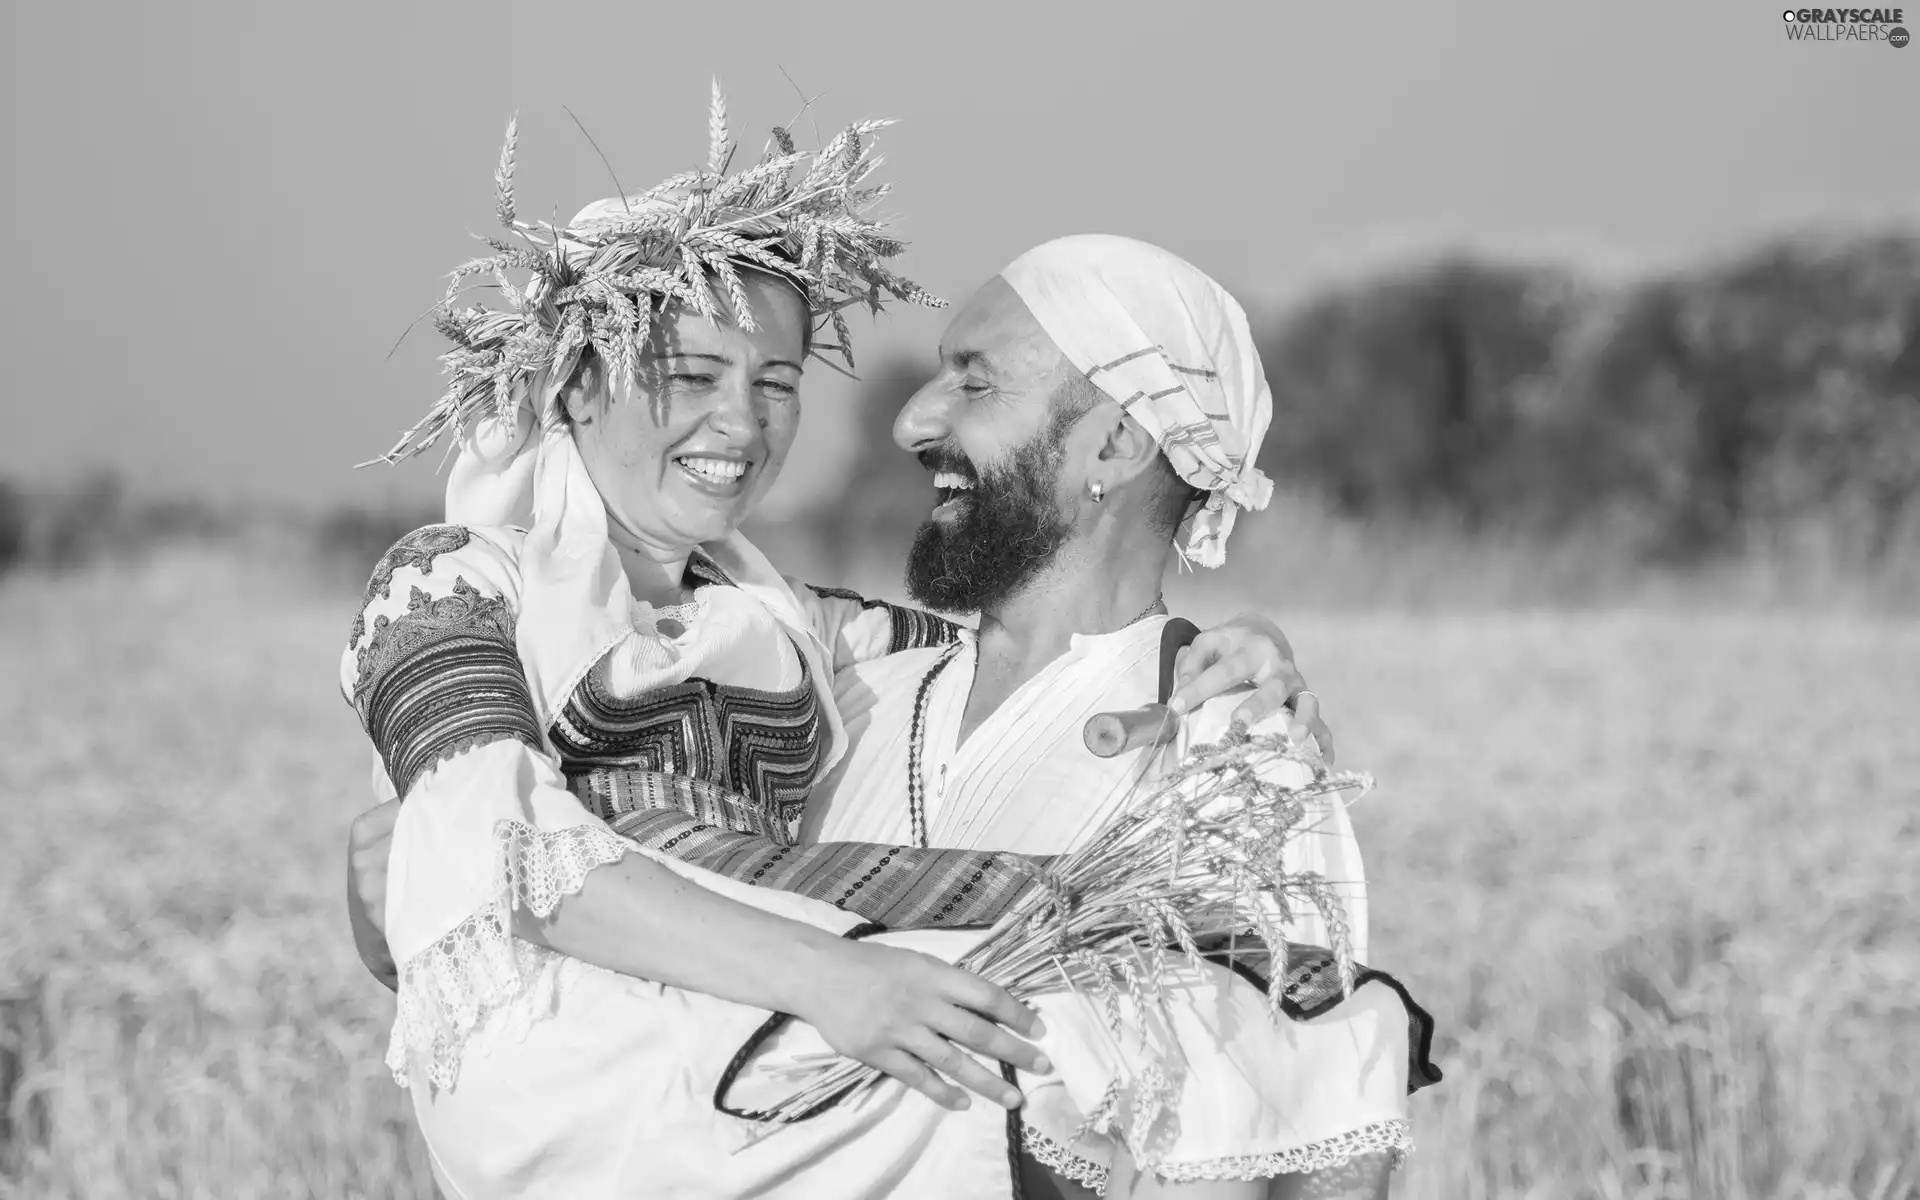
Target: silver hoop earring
(1098,490)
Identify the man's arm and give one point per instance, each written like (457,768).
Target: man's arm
(367,844)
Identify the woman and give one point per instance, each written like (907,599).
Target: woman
(629,651)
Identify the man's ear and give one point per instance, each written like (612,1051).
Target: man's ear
(1129,450)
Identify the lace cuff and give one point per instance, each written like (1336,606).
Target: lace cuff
(479,982)
(1394,1137)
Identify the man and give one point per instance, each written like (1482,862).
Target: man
(1098,410)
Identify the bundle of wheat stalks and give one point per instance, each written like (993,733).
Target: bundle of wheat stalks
(1192,859)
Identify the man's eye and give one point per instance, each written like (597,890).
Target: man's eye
(691,378)
(782,391)
(972,388)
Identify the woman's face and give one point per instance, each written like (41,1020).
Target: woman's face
(683,454)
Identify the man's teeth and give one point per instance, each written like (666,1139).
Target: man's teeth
(720,470)
(952,481)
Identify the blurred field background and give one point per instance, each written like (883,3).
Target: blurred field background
(1594,333)
(1611,588)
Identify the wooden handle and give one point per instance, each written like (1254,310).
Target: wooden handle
(1110,734)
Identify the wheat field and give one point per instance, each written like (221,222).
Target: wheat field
(1652,871)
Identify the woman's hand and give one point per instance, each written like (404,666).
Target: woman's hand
(909,1014)
(1250,649)
(367,845)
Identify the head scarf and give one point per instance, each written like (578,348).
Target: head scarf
(1174,350)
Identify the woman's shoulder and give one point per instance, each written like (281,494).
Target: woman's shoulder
(432,556)
(437,575)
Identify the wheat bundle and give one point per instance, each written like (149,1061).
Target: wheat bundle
(1193,858)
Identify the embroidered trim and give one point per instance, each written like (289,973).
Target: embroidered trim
(1395,1138)
(1062,1161)
(760,745)
(426,619)
(441,679)
(479,983)
(418,549)
(907,628)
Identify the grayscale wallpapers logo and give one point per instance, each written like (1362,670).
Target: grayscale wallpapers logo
(1847,25)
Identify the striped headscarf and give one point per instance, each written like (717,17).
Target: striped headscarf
(1174,350)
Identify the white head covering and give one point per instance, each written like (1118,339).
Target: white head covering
(1174,350)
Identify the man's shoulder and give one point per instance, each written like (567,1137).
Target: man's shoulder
(891,678)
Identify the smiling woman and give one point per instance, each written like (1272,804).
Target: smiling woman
(685,449)
(605,710)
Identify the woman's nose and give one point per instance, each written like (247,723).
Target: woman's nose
(923,420)
(734,412)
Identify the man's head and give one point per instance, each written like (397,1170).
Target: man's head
(1033,459)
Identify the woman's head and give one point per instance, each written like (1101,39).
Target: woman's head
(683,452)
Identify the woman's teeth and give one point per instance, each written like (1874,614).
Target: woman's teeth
(719,470)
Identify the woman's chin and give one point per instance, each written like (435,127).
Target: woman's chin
(709,520)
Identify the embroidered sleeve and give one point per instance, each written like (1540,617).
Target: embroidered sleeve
(430,666)
(442,678)
(859,630)
(486,825)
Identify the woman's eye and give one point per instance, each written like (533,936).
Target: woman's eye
(779,390)
(692,379)
(972,388)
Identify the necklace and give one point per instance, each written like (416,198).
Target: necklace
(917,730)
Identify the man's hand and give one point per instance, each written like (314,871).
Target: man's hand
(909,1014)
(367,845)
(1250,649)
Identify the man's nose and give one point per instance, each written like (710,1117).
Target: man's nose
(924,419)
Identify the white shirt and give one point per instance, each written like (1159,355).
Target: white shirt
(1024,780)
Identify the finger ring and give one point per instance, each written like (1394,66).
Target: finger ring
(1294,703)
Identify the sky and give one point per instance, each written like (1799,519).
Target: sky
(219,217)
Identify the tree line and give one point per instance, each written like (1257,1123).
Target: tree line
(1707,412)
(1769,399)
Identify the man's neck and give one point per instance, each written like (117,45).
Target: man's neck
(1091,590)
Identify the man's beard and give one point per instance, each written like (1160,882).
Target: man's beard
(1008,529)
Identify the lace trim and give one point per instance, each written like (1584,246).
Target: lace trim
(479,982)
(1394,1137)
(1062,1161)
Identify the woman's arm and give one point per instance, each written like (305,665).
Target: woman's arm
(896,1010)
(489,843)
(856,629)
(1248,650)
(636,917)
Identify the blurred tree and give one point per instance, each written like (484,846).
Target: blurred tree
(81,522)
(1773,394)
(352,540)
(13,526)
(1413,392)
